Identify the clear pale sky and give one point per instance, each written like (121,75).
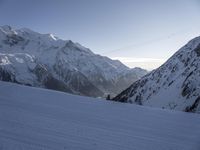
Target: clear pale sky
(141,33)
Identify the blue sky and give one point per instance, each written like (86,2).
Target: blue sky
(140,33)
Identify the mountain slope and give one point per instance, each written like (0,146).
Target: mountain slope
(67,65)
(35,119)
(174,85)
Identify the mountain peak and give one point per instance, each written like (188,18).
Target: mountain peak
(52,36)
(59,64)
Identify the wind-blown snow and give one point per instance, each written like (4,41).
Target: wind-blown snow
(35,119)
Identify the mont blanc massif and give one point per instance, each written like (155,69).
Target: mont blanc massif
(43,60)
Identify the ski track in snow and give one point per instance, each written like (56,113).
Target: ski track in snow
(39,119)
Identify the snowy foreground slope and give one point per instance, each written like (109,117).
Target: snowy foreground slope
(175,85)
(42,60)
(39,119)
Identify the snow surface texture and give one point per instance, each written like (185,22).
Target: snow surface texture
(175,85)
(35,119)
(43,60)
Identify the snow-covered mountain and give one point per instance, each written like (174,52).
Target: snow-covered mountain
(39,119)
(43,60)
(174,85)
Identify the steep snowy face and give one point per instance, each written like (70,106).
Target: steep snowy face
(174,85)
(75,67)
(25,63)
(23,68)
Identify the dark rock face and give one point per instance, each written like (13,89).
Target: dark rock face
(6,76)
(54,84)
(193,107)
(197,50)
(13,39)
(186,90)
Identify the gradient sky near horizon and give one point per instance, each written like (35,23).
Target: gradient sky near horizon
(142,33)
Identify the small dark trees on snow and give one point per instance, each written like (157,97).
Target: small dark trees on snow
(108,97)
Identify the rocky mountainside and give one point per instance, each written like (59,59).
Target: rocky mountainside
(175,85)
(43,60)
